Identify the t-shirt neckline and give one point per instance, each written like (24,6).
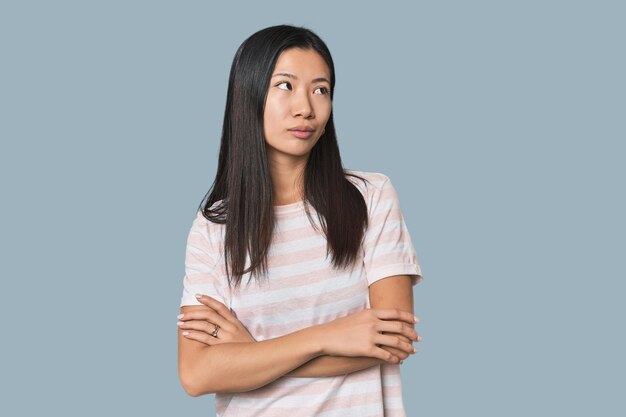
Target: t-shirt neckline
(289,208)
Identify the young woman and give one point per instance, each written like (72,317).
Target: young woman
(305,269)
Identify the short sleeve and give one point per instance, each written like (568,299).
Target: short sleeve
(388,249)
(201,265)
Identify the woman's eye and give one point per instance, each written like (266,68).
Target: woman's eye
(288,84)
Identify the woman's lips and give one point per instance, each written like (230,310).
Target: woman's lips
(302,134)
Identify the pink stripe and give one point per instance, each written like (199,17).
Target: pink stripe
(331,404)
(296,256)
(316,386)
(298,233)
(377,219)
(389,258)
(302,302)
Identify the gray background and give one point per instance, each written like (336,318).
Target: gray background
(500,123)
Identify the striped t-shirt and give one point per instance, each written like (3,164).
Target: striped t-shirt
(304,290)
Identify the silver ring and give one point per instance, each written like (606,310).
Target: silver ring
(214,334)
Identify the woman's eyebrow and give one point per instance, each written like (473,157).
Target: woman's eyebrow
(286,74)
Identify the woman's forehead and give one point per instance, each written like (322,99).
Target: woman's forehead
(298,64)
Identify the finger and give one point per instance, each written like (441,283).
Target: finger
(200,337)
(398,327)
(208,315)
(198,325)
(395,314)
(196,314)
(219,307)
(380,353)
(394,342)
(397,352)
(208,324)
(401,336)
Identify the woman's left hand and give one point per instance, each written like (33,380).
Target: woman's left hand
(200,324)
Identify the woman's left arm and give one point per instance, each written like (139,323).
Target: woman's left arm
(387,248)
(390,292)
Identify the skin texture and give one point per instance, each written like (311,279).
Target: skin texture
(289,103)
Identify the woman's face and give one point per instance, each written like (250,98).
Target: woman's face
(298,97)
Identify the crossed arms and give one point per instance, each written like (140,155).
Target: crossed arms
(289,355)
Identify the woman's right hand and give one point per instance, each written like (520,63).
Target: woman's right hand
(359,334)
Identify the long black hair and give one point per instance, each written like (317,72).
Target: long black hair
(242,193)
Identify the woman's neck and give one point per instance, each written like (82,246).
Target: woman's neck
(287,180)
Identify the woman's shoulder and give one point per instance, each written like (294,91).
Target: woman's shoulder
(211,229)
(366,180)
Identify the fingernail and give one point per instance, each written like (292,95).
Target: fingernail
(415,319)
(185,333)
(419,338)
(414,350)
(401,362)
(198,295)
(180,316)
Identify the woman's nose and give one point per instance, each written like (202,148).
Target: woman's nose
(301,105)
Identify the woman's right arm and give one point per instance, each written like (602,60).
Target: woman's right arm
(240,367)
